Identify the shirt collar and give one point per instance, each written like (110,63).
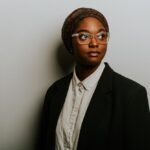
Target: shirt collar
(91,80)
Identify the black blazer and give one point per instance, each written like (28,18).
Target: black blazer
(117,118)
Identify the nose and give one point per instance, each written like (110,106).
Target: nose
(93,42)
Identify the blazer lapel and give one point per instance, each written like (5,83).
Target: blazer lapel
(97,118)
(58,100)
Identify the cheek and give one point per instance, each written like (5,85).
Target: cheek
(77,49)
(80,50)
(103,48)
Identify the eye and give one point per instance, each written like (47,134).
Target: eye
(84,36)
(102,36)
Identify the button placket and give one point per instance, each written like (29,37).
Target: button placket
(79,90)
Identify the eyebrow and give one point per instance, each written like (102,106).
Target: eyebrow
(84,30)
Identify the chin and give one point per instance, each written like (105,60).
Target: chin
(92,63)
(89,62)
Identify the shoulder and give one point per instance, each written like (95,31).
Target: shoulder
(59,84)
(125,85)
(128,91)
(125,81)
(121,82)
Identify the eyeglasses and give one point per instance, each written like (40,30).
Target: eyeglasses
(84,38)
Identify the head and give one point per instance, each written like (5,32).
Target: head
(80,19)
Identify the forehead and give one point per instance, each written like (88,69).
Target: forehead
(90,24)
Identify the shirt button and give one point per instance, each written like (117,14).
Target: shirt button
(80,87)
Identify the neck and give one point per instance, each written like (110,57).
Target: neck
(83,72)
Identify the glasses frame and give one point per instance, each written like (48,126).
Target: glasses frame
(91,36)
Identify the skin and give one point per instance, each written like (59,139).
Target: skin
(88,57)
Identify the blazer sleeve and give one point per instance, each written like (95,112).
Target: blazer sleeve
(138,121)
(44,120)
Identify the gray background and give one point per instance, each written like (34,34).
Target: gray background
(31,56)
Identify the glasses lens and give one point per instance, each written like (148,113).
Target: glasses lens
(102,37)
(84,38)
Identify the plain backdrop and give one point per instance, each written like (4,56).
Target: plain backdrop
(32,56)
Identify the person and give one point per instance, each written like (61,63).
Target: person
(94,107)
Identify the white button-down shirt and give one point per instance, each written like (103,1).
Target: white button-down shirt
(74,109)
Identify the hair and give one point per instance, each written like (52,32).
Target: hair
(73,20)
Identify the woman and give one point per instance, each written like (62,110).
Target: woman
(94,107)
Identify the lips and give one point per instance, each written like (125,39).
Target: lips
(93,54)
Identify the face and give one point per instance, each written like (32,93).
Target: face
(90,54)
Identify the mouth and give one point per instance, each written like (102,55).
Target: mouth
(94,54)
